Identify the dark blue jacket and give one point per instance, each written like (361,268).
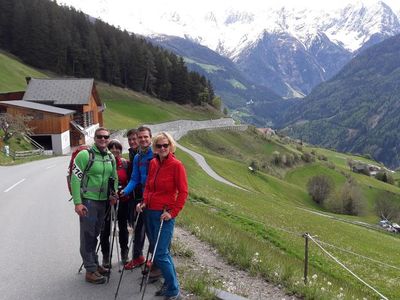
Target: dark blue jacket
(140,167)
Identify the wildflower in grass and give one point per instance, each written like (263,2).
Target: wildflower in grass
(256,259)
(323,289)
(314,276)
(329,283)
(276,274)
(297,283)
(341,289)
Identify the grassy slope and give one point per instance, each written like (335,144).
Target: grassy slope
(269,220)
(127,109)
(13,73)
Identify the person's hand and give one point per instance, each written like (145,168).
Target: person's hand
(166,216)
(140,207)
(113,199)
(81,210)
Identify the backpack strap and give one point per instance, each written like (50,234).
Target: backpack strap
(85,178)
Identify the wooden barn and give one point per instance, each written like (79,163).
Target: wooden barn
(64,112)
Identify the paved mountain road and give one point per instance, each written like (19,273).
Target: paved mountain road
(39,230)
(181,127)
(39,239)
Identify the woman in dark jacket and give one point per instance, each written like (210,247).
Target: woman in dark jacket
(115,148)
(164,197)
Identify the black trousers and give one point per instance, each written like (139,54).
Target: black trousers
(140,232)
(122,217)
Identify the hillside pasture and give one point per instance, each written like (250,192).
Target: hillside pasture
(261,229)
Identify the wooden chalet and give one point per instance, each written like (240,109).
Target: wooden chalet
(65,112)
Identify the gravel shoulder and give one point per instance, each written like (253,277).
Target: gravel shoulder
(233,280)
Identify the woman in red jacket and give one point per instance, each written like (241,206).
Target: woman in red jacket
(164,197)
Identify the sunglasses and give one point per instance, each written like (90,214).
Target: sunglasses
(159,146)
(99,136)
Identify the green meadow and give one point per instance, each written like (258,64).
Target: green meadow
(260,229)
(13,73)
(127,109)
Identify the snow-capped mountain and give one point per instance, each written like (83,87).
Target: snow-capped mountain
(290,50)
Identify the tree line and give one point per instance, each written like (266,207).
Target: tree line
(61,39)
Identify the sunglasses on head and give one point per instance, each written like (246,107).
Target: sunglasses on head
(159,146)
(99,136)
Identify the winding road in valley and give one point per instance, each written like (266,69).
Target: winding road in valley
(181,127)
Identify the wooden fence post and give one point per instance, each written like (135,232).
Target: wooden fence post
(305,257)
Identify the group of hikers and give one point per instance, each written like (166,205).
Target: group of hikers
(149,189)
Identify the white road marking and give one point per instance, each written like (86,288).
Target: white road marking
(14,185)
(49,167)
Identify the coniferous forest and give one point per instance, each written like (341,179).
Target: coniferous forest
(63,40)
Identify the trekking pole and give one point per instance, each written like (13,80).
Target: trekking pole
(152,258)
(129,247)
(118,256)
(98,245)
(145,269)
(113,237)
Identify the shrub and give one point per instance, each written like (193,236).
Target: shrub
(320,187)
(290,160)
(330,165)
(348,200)
(276,158)
(254,165)
(387,206)
(385,177)
(307,157)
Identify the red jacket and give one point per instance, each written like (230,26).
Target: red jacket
(166,185)
(122,171)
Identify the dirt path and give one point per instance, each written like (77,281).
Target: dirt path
(205,258)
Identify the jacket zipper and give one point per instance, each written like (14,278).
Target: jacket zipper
(155,178)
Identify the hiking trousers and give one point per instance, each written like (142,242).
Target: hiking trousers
(90,227)
(162,257)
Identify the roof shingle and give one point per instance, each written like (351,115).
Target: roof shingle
(59,91)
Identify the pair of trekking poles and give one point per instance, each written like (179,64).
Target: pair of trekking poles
(148,263)
(113,220)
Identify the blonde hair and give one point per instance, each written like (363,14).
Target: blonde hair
(164,135)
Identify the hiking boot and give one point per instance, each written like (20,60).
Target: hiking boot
(134,263)
(161,292)
(124,256)
(106,262)
(95,277)
(102,270)
(177,297)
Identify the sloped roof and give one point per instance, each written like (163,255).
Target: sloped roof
(59,91)
(38,106)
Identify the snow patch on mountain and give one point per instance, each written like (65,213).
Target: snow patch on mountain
(230,31)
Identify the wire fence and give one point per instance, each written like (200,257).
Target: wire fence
(319,244)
